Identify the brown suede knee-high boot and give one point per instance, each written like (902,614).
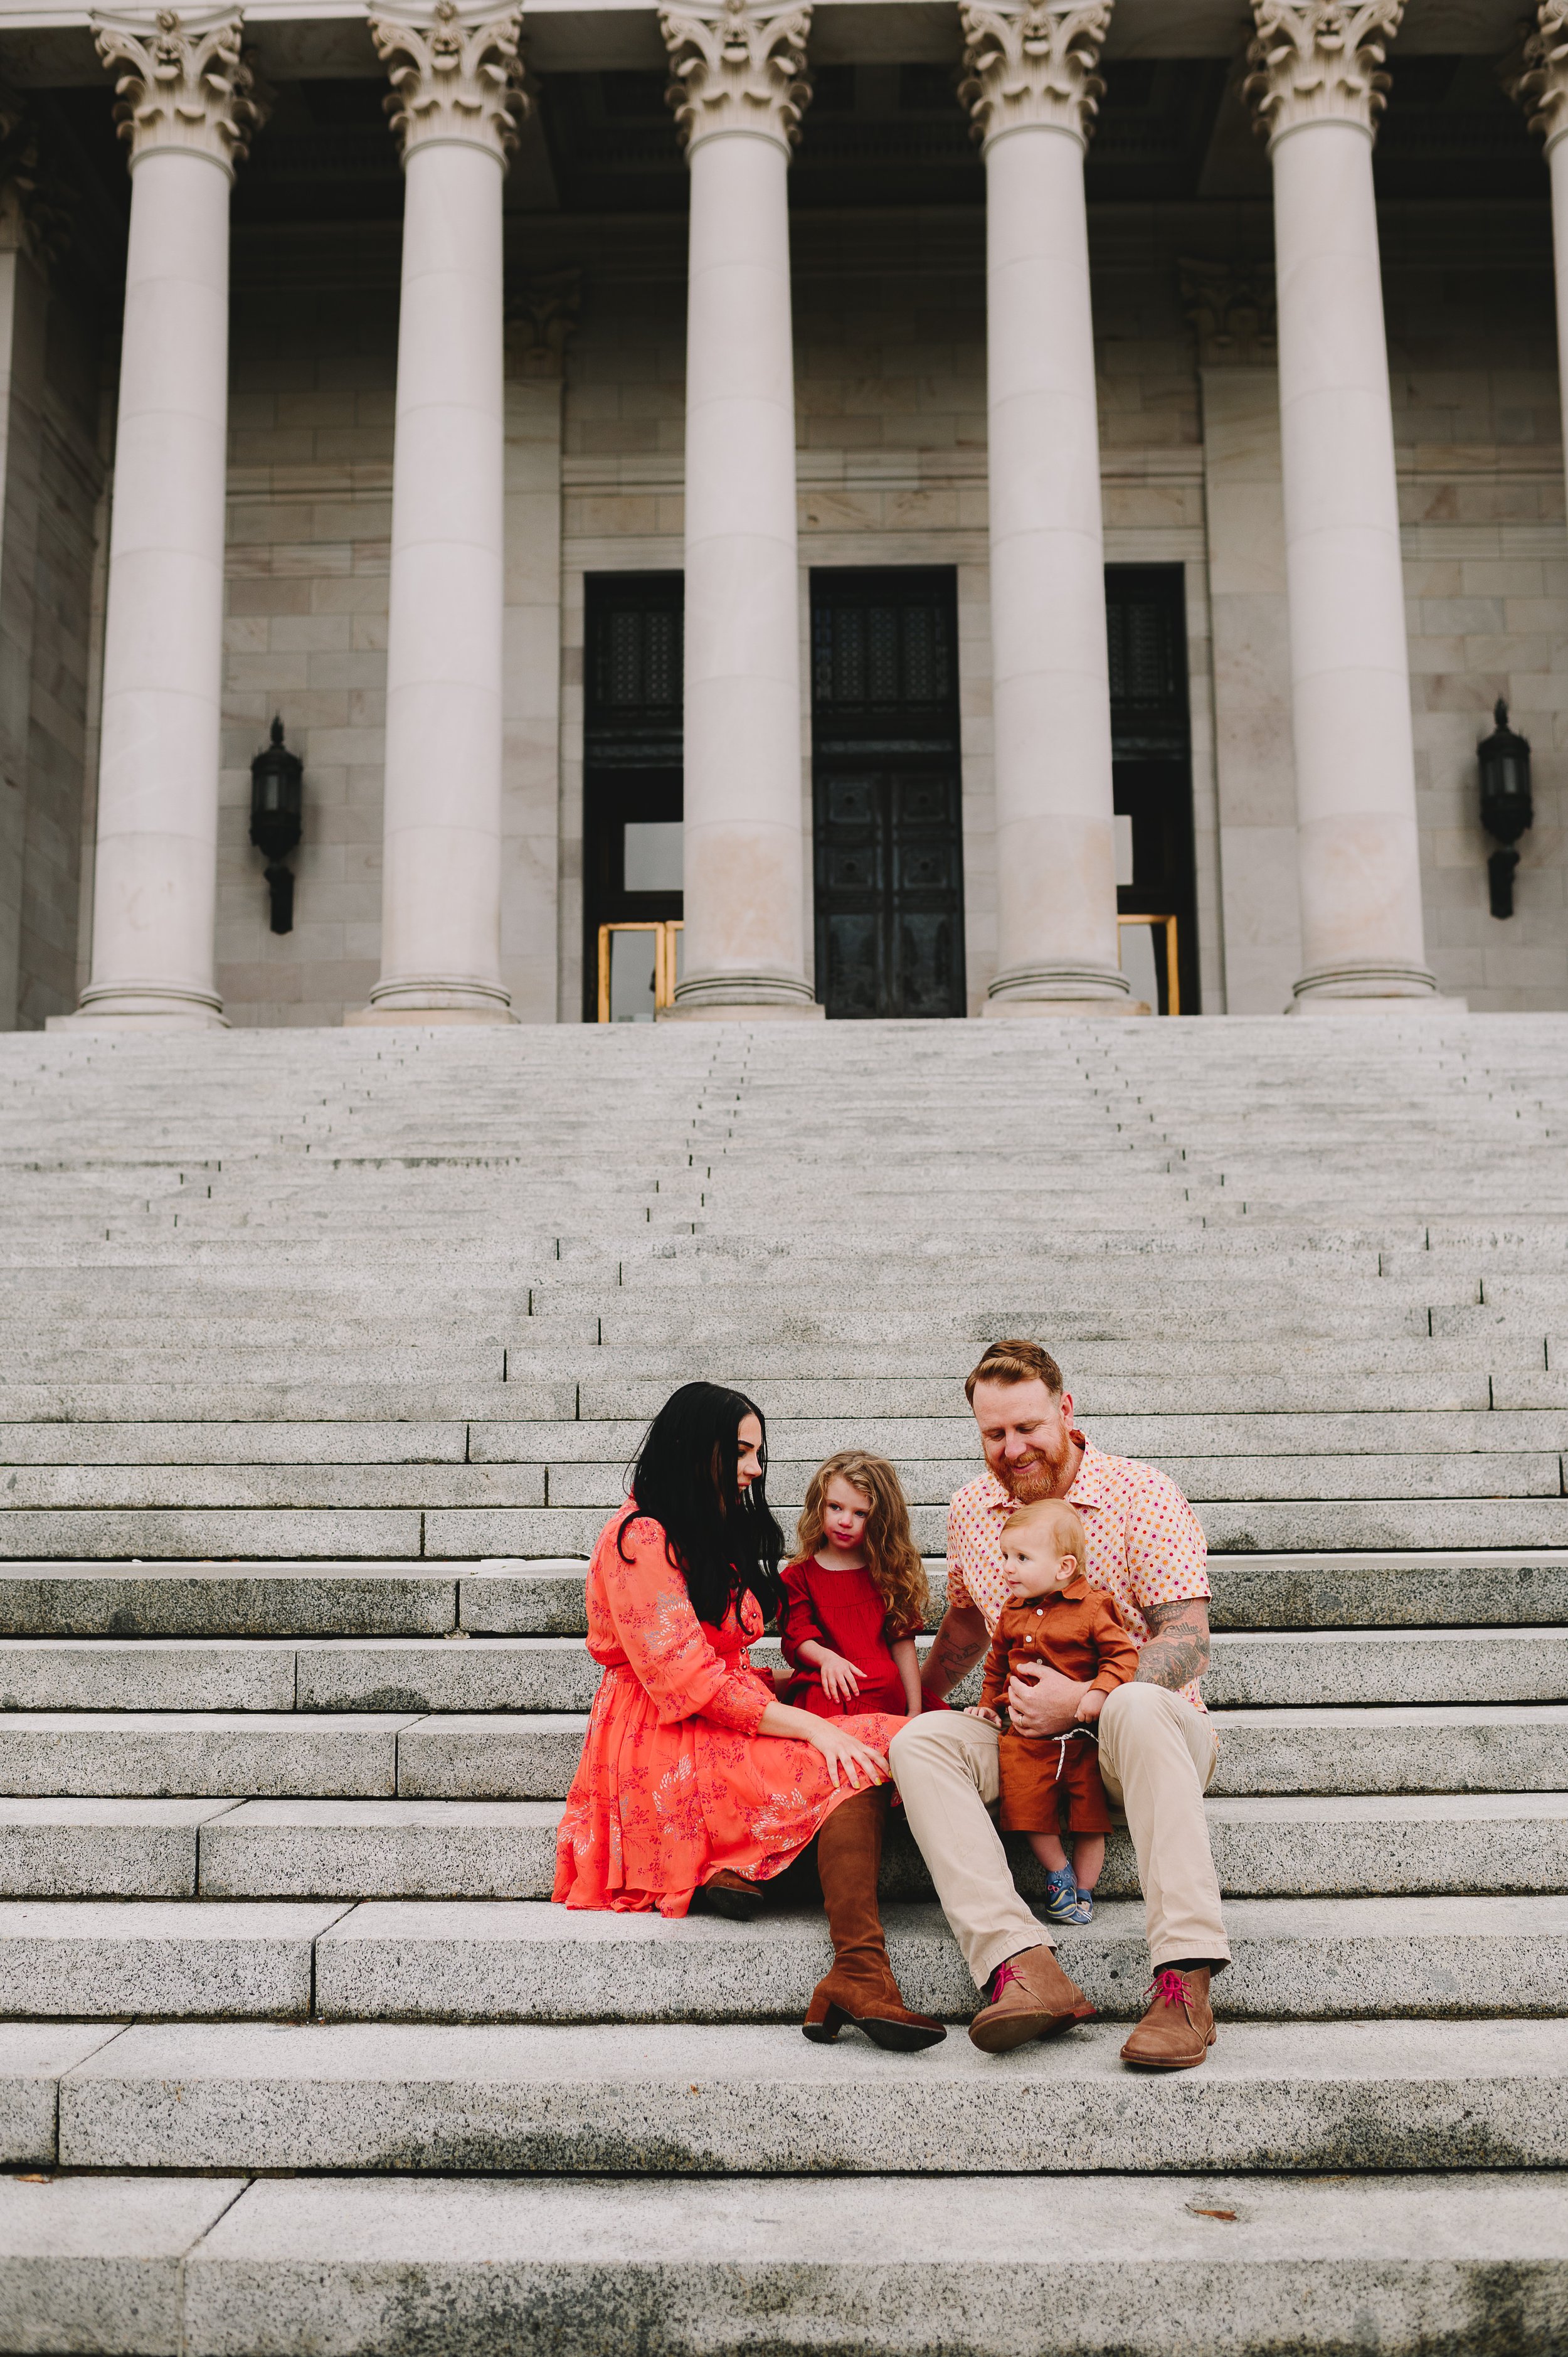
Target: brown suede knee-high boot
(861,1987)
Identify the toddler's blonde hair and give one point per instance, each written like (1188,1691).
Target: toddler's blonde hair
(1061,1522)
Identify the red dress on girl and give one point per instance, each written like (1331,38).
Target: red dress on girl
(674,1782)
(842,1611)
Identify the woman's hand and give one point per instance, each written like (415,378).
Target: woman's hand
(861,1767)
(840,1679)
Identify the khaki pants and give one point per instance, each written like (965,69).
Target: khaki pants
(1157,1756)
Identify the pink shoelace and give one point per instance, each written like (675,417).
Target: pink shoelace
(1169,1988)
(999,1980)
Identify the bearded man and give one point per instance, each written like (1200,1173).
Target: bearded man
(1157,1748)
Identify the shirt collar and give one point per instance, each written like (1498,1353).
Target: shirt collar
(1089,1481)
(1088,1487)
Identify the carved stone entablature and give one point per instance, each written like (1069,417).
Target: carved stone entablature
(1232,310)
(1033,65)
(185,84)
(456,72)
(1320,61)
(541,317)
(740,65)
(33,217)
(1542,87)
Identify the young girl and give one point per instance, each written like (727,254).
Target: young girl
(856,1595)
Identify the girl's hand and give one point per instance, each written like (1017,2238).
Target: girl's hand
(840,1679)
(978,1710)
(861,1767)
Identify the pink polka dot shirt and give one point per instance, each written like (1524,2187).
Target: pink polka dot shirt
(1145,1545)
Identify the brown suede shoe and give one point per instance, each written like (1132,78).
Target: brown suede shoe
(729,1894)
(1177,2030)
(1031,1996)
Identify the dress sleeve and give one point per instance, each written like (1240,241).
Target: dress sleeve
(1117,1653)
(798,1623)
(1167,1558)
(662,1638)
(993,1686)
(959,1596)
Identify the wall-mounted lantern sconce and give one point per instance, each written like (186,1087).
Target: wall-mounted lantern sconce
(278,815)
(1506,807)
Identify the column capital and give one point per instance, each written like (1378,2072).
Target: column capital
(541,318)
(738,66)
(456,74)
(1232,311)
(33,219)
(185,83)
(1319,61)
(1542,88)
(1034,66)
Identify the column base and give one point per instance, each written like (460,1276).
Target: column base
(143,1006)
(425,1019)
(1352,988)
(807,1012)
(742,998)
(436,999)
(1053,990)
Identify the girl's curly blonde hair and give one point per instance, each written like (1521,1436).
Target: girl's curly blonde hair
(892,1557)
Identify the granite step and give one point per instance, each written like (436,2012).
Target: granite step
(747,2101)
(1277,1847)
(518,1960)
(1261,1440)
(475,1534)
(1180,2266)
(456,1671)
(501,1755)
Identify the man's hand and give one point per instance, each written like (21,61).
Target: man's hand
(1178,1647)
(959,1644)
(1040,1701)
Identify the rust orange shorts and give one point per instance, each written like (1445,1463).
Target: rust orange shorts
(1037,1770)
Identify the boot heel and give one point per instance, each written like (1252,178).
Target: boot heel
(824,2032)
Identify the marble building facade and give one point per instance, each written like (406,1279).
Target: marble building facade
(311,414)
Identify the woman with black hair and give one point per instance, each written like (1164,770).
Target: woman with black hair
(696,1784)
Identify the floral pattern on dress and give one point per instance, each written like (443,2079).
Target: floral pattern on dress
(674,1783)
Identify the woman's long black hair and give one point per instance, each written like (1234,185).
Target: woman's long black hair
(723,1540)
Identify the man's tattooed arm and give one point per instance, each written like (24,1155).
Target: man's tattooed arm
(959,1644)
(1178,1647)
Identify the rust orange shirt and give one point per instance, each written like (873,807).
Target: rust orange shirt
(1076,1629)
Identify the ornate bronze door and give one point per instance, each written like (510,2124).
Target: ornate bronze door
(888,820)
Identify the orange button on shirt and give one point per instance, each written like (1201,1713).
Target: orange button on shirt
(1143,1544)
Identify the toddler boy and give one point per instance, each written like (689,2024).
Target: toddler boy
(1056,1617)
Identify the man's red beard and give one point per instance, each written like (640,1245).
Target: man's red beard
(1037,1476)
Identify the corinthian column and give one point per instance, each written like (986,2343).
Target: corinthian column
(1543,90)
(186,107)
(1032,92)
(1319,93)
(457,79)
(738,93)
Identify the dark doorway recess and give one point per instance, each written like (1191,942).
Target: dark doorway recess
(631,754)
(886,791)
(1151,755)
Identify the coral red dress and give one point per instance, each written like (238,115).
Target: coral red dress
(842,1611)
(674,1782)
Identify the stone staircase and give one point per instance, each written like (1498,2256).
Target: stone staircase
(323,1354)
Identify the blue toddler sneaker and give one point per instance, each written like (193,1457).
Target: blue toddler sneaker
(1061,1897)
